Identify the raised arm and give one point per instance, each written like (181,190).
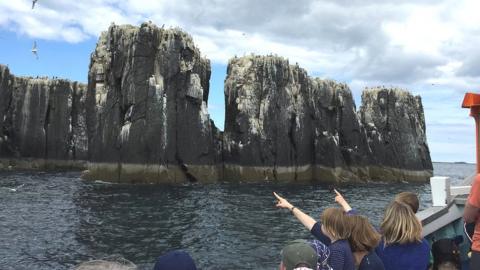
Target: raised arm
(305,219)
(342,202)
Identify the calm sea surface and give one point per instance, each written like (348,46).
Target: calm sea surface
(56,220)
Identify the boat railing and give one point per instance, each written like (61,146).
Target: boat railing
(443,192)
(447,203)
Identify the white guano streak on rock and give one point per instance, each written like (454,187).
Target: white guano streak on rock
(195,89)
(165,122)
(204,116)
(247,101)
(297,107)
(26,110)
(156,82)
(125,132)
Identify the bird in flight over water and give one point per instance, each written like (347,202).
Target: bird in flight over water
(34,49)
(33,3)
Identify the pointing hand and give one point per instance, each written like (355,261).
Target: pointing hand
(341,201)
(281,202)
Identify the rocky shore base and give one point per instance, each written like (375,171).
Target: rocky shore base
(174,174)
(152,173)
(171,174)
(7,164)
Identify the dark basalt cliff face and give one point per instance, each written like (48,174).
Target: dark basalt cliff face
(395,126)
(41,119)
(147,108)
(143,118)
(283,125)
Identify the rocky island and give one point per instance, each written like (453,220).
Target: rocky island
(283,125)
(42,123)
(143,118)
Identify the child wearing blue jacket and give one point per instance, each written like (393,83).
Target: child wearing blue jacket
(363,239)
(333,230)
(401,246)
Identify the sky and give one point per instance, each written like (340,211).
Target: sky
(428,47)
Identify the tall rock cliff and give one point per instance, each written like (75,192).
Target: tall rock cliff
(6,87)
(147,108)
(395,126)
(341,152)
(266,135)
(41,118)
(143,118)
(283,125)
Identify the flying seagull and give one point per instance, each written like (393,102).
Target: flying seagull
(34,49)
(33,3)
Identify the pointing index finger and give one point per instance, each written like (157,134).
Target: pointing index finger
(276,195)
(338,193)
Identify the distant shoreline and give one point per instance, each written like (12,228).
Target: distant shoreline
(454,162)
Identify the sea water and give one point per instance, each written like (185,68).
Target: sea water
(56,220)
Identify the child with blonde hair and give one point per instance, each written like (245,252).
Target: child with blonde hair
(402,246)
(333,230)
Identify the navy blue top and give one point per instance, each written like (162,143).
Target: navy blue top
(317,232)
(371,261)
(341,257)
(412,256)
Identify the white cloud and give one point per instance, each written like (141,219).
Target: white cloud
(70,21)
(429,47)
(423,31)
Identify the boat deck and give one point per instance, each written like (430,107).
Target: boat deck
(446,221)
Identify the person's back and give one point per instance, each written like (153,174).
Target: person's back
(408,256)
(341,257)
(371,261)
(471,215)
(175,260)
(333,230)
(363,240)
(402,246)
(323,253)
(337,228)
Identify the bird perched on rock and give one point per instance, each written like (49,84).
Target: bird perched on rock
(34,49)
(33,3)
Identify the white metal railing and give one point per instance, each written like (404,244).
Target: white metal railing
(459,190)
(443,211)
(442,191)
